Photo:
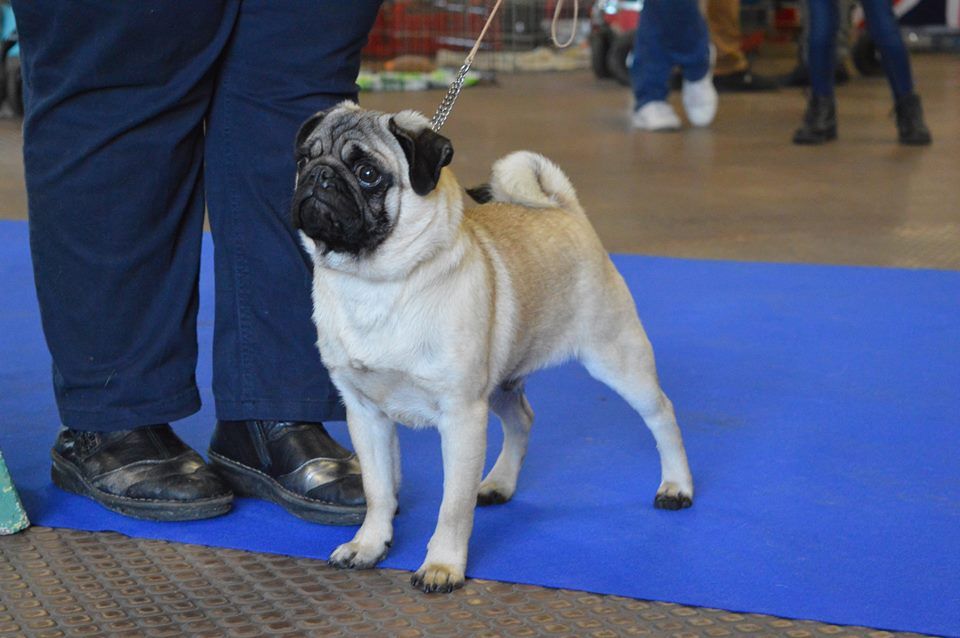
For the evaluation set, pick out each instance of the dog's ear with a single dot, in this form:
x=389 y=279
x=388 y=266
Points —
x=308 y=127
x=427 y=152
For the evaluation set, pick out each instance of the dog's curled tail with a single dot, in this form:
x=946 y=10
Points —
x=529 y=179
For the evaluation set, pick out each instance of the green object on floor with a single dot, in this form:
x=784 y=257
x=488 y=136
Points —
x=12 y=516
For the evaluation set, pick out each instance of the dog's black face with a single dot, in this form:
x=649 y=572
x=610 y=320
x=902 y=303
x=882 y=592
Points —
x=340 y=199
x=350 y=165
x=343 y=204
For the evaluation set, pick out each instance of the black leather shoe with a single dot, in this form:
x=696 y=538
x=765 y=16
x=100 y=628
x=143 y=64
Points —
x=819 y=121
x=296 y=465
x=144 y=473
x=743 y=82
x=910 y=126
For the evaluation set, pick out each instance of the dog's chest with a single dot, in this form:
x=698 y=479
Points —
x=399 y=395
x=382 y=357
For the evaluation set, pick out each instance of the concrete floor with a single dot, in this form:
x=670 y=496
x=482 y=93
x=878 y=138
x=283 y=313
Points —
x=738 y=190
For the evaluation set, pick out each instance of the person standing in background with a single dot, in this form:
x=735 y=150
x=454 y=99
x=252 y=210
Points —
x=732 y=72
x=820 y=120
x=800 y=75
x=671 y=33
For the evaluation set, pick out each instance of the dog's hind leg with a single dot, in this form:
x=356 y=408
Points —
x=509 y=403
x=626 y=364
x=374 y=438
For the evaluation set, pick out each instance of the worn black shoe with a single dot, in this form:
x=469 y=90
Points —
x=819 y=121
x=744 y=82
x=145 y=473
x=296 y=465
x=910 y=126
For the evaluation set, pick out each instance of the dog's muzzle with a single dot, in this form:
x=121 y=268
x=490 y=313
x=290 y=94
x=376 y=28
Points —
x=317 y=196
x=326 y=210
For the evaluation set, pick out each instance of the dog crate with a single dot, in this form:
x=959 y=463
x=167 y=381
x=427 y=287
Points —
x=416 y=41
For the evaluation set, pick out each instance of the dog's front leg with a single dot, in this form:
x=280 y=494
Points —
x=463 y=439
x=374 y=440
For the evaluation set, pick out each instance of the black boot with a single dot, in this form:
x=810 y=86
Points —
x=296 y=465
x=144 y=473
x=910 y=124
x=819 y=122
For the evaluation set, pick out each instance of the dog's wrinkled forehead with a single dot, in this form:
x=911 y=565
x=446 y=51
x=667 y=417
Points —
x=402 y=140
x=332 y=131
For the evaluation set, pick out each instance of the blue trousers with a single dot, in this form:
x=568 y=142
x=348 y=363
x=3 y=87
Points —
x=671 y=33
x=139 y=116
x=882 y=25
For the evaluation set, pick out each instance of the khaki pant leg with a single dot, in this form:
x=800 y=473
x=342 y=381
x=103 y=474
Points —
x=723 y=19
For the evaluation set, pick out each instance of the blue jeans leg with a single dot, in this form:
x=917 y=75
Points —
x=113 y=151
x=882 y=25
x=688 y=40
x=671 y=33
x=286 y=61
x=821 y=46
x=651 y=68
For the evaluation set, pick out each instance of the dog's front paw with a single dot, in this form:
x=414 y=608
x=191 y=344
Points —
x=437 y=578
x=671 y=496
x=492 y=493
x=353 y=555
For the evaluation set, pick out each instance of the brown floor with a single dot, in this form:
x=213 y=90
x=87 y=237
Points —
x=738 y=190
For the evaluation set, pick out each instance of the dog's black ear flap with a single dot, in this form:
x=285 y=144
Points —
x=308 y=127
x=427 y=152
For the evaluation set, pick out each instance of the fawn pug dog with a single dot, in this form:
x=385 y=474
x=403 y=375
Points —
x=430 y=314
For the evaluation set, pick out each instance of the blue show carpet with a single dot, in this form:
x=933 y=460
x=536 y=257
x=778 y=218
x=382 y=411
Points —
x=821 y=411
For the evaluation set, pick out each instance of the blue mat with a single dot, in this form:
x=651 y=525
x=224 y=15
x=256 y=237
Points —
x=821 y=411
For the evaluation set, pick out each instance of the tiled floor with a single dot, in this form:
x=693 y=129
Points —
x=738 y=190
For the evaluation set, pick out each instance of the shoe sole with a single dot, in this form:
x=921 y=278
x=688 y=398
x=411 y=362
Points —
x=247 y=481
x=829 y=136
x=67 y=477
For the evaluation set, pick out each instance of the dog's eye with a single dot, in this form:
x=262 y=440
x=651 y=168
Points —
x=302 y=162
x=368 y=175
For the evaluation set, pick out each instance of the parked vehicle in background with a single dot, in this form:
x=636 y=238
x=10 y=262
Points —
x=613 y=24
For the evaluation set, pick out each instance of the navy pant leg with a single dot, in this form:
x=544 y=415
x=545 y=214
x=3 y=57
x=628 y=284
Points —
x=821 y=46
x=882 y=25
x=688 y=40
x=650 y=73
x=113 y=149
x=286 y=61
x=671 y=33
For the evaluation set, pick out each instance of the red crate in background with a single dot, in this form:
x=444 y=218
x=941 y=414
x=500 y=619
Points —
x=411 y=27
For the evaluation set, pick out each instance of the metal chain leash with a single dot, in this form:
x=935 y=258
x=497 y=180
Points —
x=446 y=105
x=453 y=92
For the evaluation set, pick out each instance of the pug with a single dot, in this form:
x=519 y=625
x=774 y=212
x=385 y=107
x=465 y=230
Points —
x=432 y=314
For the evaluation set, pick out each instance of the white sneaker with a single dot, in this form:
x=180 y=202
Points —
x=656 y=116
x=700 y=100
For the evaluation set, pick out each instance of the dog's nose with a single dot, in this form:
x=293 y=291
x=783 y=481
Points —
x=322 y=177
